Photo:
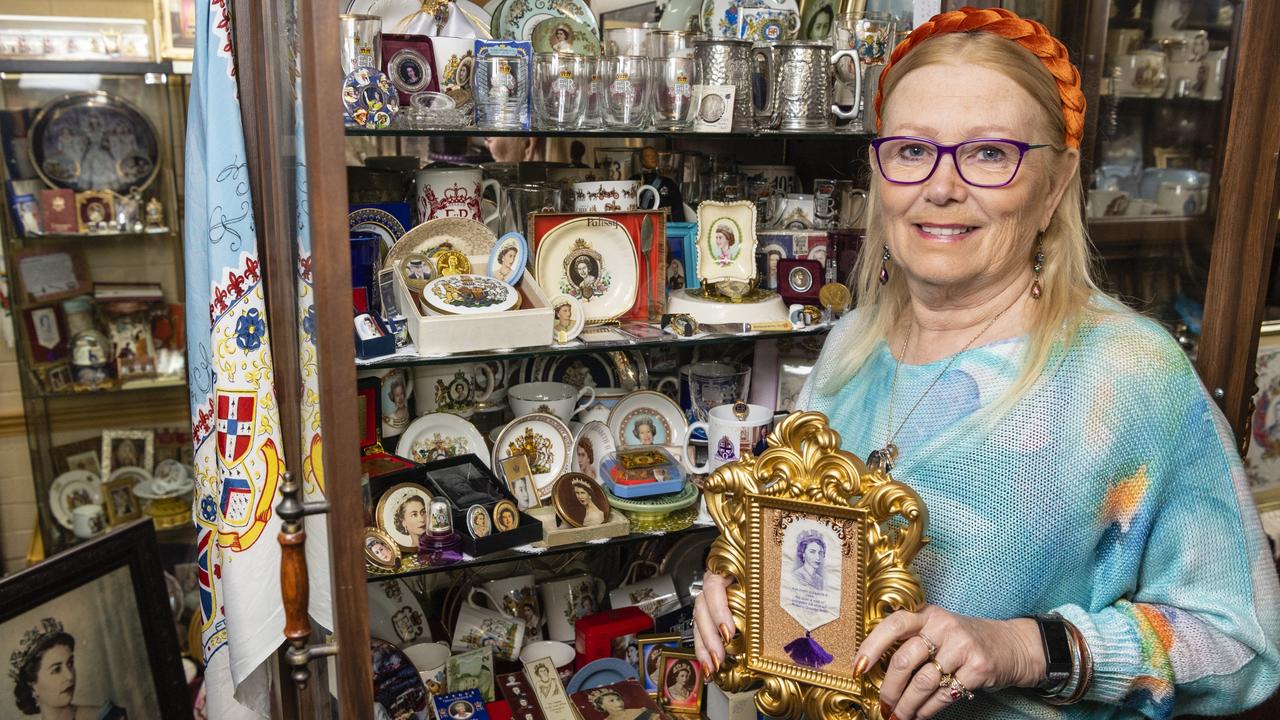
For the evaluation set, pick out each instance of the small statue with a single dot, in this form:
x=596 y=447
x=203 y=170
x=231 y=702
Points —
x=155 y=215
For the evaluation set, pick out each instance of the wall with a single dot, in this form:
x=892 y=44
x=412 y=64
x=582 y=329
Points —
x=17 y=491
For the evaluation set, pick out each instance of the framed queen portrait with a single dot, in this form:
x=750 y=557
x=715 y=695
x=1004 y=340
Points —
x=726 y=241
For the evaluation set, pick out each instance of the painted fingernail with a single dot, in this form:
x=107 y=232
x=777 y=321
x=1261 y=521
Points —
x=715 y=660
x=724 y=632
x=704 y=666
x=860 y=667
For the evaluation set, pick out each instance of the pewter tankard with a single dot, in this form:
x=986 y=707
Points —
x=726 y=61
x=798 y=75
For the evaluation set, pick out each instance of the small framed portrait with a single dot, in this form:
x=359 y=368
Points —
x=117 y=495
x=135 y=353
x=579 y=501
x=505 y=516
x=1262 y=461
x=95 y=211
x=548 y=688
x=519 y=478
x=650 y=668
x=80 y=635
x=508 y=258
x=380 y=550
x=569 y=318
x=680 y=682
x=46 y=333
x=478 y=523
x=78 y=455
x=127 y=448
x=417 y=270
x=726 y=241
x=626 y=699
x=402 y=514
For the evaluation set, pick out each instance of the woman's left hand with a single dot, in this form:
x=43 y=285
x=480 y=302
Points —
x=978 y=654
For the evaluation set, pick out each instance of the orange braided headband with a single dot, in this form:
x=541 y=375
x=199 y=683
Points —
x=1028 y=33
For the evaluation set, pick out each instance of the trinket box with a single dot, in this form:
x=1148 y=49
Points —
x=409 y=63
x=596 y=635
x=641 y=472
x=799 y=281
x=614 y=263
x=383 y=468
x=465 y=481
x=527 y=325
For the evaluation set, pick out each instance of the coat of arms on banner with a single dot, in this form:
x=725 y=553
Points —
x=235 y=426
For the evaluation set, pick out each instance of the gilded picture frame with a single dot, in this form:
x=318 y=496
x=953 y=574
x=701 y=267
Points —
x=801 y=621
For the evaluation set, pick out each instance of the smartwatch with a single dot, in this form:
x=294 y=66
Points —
x=1057 y=652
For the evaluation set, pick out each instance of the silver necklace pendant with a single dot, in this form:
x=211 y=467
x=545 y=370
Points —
x=883 y=459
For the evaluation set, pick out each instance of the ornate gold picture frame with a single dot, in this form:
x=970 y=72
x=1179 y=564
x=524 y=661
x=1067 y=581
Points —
x=821 y=547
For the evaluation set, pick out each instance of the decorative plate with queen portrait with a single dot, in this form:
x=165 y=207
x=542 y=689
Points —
x=726 y=241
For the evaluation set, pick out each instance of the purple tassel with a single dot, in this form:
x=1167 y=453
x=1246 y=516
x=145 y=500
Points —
x=806 y=651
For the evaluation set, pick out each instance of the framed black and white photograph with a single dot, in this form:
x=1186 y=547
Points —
x=82 y=635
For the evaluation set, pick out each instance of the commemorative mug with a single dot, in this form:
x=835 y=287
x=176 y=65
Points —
x=606 y=195
x=727 y=61
x=730 y=435
x=477 y=627
x=713 y=383
x=562 y=656
x=566 y=600
x=455 y=64
x=515 y=597
x=851 y=204
x=1106 y=203
x=1142 y=73
x=655 y=596
x=560 y=399
x=455 y=192
x=798 y=85
x=87 y=521
x=451 y=388
x=1178 y=198
x=431 y=659
x=396 y=387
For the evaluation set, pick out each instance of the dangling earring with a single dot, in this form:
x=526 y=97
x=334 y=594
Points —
x=884 y=265
x=1037 y=267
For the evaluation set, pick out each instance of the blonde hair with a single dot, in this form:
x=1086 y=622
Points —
x=1066 y=278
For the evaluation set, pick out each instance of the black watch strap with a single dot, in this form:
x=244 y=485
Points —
x=1057 y=650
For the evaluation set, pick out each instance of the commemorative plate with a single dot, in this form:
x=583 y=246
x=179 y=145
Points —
x=70 y=490
x=580 y=370
x=544 y=439
x=565 y=35
x=470 y=237
x=94 y=141
x=590 y=445
x=594 y=260
x=516 y=19
x=646 y=417
x=469 y=295
x=438 y=436
x=368 y=98
x=722 y=18
x=378 y=221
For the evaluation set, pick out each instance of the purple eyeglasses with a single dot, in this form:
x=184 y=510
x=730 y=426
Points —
x=985 y=162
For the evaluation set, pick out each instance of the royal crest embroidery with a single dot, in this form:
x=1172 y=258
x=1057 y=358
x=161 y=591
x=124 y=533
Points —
x=585 y=276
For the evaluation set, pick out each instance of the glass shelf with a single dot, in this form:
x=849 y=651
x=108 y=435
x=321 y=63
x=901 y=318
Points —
x=131 y=388
x=85 y=67
x=512 y=555
x=162 y=232
x=409 y=357
x=650 y=133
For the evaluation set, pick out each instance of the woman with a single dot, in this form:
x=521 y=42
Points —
x=591 y=515
x=506 y=263
x=564 y=318
x=411 y=518
x=725 y=240
x=586 y=459
x=614 y=706
x=43 y=669
x=681 y=684
x=1065 y=447
x=811 y=551
x=395 y=412
x=561 y=39
x=644 y=431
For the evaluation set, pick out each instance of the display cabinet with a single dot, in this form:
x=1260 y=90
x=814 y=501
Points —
x=93 y=250
x=1204 y=254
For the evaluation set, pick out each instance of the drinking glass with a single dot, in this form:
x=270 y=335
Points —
x=560 y=82
x=501 y=92
x=674 y=78
x=872 y=35
x=625 y=80
x=526 y=198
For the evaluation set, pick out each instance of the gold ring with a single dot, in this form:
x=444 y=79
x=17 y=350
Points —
x=957 y=690
x=933 y=647
x=945 y=679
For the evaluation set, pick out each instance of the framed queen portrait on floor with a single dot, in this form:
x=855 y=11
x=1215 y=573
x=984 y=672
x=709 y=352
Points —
x=92 y=624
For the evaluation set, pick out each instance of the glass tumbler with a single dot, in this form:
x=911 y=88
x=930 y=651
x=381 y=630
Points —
x=872 y=35
x=560 y=85
x=626 y=91
x=501 y=92
x=673 y=81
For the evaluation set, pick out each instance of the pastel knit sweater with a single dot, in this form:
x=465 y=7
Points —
x=1112 y=493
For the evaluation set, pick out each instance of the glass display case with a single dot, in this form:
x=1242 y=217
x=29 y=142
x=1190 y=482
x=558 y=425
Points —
x=93 y=248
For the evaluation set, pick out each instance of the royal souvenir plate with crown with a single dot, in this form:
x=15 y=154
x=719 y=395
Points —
x=469 y=295
x=544 y=440
x=516 y=19
x=465 y=235
x=647 y=418
x=593 y=259
x=439 y=436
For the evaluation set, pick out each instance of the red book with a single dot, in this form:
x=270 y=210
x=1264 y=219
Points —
x=58 y=211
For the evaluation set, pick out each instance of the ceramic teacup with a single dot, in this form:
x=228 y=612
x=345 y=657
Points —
x=87 y=521
x=609 y=195
x=568 y=599
x=559 y=399
x=561 y=654
x=515 y=597
x=1107 y=203
x=477 y=627
x=655 y=596
x=431 y=660
x=606 y=398
x=451 y=388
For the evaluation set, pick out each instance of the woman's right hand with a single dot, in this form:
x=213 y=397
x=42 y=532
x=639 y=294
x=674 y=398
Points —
x=712 y=621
